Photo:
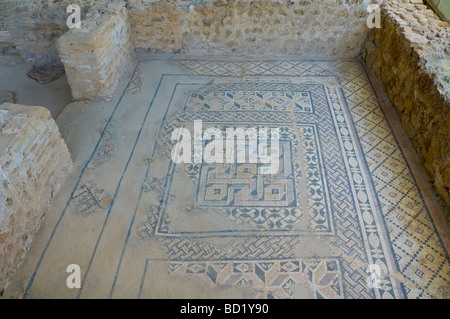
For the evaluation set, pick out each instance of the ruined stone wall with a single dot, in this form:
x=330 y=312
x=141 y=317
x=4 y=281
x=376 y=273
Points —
x=411 y=55
x=325 y=28
x=4 y=34
x=34 y=162
x=35 y=25
x=281 y=27
x=95 y=55
x=266 y=27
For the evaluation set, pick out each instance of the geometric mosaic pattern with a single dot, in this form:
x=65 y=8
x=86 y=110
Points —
x=343 y=198
x=271 y=203
x=90 y=200
x=412 y=235
x=303 y=180
x=276 y=279
x=359 y=93
x=251 y=101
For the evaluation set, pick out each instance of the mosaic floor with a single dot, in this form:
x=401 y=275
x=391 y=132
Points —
x=343 y=217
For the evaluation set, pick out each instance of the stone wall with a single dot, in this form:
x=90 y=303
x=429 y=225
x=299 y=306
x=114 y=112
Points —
x=266 y=27
x=35 y=25
x=95 y=55
x=281 y=27
x=4 y=34
x=34 y=162
x=326 y=28
x=411 y=55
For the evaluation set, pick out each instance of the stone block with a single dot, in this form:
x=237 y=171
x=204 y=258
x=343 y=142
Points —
x=96 y=54
x=34 y=162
